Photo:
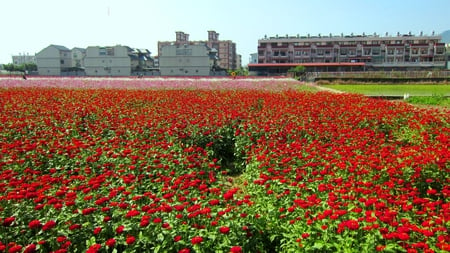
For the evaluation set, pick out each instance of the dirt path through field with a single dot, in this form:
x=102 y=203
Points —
x=321 y=88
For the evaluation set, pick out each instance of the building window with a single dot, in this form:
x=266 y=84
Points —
x=62 y=61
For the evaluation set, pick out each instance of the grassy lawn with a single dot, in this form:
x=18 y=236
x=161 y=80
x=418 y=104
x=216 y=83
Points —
x=393 y=89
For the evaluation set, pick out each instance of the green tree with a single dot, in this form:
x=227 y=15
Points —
x=299 y=71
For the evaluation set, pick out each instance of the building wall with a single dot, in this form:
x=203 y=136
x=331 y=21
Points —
x=226 y=48
x=78 y=55
x=184 y=60
x=52 y=60
x=107 y=61
x=376 y=51
x=22 y=59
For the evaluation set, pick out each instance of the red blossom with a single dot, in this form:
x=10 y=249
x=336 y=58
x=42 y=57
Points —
x=130 y=239
x=224 y=230
x=196 y=240
x=34 y=224
x=236 y=249
x=110 y=242
x=8 y=221
x=97 y=230
x=30 y=248
x=132 y=213
x=94 y=248
x=120 y=229
x=177 y=238
x=49 y=225
x=15 y=249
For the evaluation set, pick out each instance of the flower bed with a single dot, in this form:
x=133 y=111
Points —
x=208 y=170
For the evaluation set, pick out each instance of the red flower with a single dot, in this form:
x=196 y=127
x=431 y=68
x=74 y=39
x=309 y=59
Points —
x=15 y=249
x=31 y=248
x=110 y=242
x=132 y=213
x=120 y=229
x=88 y=210
x=380 y=247
x=75 y=226
x=61 y=239
x=214 y=202
x=8 y=221
x=35 y=224
x=49 y=225
x=196 y=240
x=94 y=248
x=177 y=238
x=144 y=222
x=236 y=249
x=403 y=236
x=97 y=230
x=224 y=230
x=185 y=250
x=130 y=239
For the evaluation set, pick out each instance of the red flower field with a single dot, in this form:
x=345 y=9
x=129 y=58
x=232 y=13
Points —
x=226 y=166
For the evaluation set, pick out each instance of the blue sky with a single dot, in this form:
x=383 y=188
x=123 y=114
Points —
x=27 y=26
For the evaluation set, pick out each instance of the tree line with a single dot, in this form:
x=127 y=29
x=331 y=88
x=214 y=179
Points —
x=20 y=67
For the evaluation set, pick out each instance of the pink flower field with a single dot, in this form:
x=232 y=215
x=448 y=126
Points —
x=217 y=165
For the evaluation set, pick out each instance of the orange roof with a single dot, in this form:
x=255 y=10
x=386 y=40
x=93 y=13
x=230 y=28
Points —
x=308 y=64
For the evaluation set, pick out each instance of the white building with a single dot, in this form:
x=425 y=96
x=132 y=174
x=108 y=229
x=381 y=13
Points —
x=23 y=59
x=53 y=60
x=78 y=55
x=108 y=61
x=186 y=60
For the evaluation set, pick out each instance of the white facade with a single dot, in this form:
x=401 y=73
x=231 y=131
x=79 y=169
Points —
x=53 y=60
x=23 y=59
x=185 y=60
x=78 y=55
x=108 y=61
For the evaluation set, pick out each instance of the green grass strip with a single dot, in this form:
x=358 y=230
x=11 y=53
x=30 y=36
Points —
x=394 y=89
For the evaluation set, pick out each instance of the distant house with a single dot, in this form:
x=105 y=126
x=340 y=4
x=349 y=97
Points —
x=78 y=55
x=23 y=59
x=226 y=49
x=187 y=60
x=115 y=61
x=53 y=60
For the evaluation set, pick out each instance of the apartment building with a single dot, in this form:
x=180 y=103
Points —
x=226 y=49
x=108 y=61
x=78 y=55
x=401 y=51
x=23 y=59
x=53 y=60
x=187 y=60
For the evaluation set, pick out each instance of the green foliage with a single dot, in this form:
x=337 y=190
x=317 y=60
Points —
x=298 y=71
x=238 y=72
x=393 y=89
x=23 y=67
x=432 y=100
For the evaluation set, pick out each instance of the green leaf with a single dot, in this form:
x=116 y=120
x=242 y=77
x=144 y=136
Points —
x=318 y=245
